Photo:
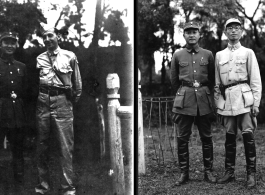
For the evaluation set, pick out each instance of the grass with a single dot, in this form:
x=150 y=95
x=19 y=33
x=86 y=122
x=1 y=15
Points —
x=162 y=167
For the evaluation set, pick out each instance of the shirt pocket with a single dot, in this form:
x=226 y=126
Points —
x=183 y=68
x=2 y=73
x=247 y=96
x=204 y=67
x=241 y=65
x=20 y=72
x=179 y=99
x=2 y=77
x=223 y=66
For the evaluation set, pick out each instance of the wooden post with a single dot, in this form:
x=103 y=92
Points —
x=141 y=160
x=116 y=156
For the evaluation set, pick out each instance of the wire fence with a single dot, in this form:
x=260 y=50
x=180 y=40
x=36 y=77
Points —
x=160 y=134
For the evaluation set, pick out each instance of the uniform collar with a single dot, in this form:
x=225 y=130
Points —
x=195 y=48
x=234 y=47
x=55 y=52
x=7 y=58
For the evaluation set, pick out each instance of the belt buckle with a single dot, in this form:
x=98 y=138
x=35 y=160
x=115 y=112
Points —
x=196 y=84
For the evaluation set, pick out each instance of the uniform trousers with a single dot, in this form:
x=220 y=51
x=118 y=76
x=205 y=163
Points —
x=55 y=115
x=243 y=122
x=185 y=125
x=15 y=136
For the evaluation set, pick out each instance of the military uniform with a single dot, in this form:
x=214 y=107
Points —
x=237 y=92
x=55 y=113
x=13 y=93
x=192 y=78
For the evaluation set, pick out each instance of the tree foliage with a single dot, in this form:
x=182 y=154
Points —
x=22 y=18
x=114 y=25
x=153 y=17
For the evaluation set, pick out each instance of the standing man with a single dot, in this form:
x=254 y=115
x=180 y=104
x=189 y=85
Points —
x=59 y=88
x=237 y=97
x=192 y=77
x=13 y=91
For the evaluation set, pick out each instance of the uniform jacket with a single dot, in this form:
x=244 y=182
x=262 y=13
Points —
x=66 y=65
x=13 y=79
x=190 y=65
x=233 y=64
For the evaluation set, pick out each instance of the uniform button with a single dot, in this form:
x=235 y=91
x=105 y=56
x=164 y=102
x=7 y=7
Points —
x=178 y=92
x=12 y=81
x=10 y=72
x=194 y=70
x=195 y=89
x=193 y=62
x=192 y=53
x=13 y=101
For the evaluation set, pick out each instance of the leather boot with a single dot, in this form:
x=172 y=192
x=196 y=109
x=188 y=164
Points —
x=183 y=156
x=250 y=152
x=207 y=150
x=230 y=159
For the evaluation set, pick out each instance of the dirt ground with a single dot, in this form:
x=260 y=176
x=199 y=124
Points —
x=90 y=177
x=162 y=165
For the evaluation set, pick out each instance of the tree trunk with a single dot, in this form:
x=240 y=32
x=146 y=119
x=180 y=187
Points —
x=97 y=25
x=256 y=34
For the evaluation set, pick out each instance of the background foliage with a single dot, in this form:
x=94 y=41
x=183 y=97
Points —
x=159 y=20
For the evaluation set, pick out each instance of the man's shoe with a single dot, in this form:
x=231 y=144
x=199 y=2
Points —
x=251 y=180
x=41 y=189
x=184 y=178
x=228 y=177
x=208 y=176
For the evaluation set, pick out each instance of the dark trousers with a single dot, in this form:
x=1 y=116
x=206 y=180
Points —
x=15 y=136
x=184 y=123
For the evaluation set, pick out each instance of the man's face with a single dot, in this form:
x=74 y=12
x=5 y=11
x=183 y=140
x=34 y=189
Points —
x=191 y=36
x=233 y=31
x=8 y=46
x=50 y=40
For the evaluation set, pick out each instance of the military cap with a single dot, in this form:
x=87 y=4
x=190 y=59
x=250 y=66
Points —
x=232 y=20
x=8 y=35
x=191 y=24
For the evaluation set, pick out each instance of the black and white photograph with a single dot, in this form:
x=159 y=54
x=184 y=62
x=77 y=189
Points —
x=66 y=97
x=201 y=108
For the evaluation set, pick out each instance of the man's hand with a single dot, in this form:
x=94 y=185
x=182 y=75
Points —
x=255 y=111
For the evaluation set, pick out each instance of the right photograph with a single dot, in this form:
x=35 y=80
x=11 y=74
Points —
x=200 y=100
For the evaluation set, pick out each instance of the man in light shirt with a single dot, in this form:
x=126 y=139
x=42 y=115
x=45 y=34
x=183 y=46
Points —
x=237 y=98
x=59 y=88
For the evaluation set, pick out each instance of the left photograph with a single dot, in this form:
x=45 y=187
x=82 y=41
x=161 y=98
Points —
x=66 y=97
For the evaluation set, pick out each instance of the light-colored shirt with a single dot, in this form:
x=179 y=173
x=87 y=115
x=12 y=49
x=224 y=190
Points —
x=65 y=64
x=233 y=64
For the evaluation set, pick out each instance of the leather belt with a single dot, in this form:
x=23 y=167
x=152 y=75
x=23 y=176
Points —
x=52 y=91
x=193 y=84
x=233 y=84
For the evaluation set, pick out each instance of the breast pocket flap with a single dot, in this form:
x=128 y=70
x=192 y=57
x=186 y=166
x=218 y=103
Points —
x=183 y=63
x=223 y=63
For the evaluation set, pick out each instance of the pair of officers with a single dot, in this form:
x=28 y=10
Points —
x=60 y=87
x=234 y=77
